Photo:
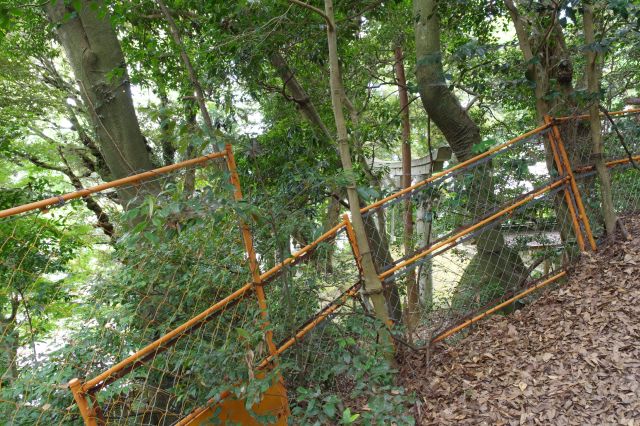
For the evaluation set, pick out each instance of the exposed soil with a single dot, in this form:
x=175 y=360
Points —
x=570 y=358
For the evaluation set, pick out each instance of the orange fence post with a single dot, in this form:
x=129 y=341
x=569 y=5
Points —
x=251 y=253
x=574 y=186
x=567 y=192
x=255 y=273
x=87 y=413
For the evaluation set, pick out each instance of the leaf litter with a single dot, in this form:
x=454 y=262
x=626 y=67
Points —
x=572 y=357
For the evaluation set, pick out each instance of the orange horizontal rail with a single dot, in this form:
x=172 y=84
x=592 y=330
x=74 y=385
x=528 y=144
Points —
x=500 y=306
x=473 y=227
x=49 y=202
x=458 y=166
x=609 y=164
x=586 y=116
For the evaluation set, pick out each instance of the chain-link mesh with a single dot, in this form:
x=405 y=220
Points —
x=181 y=253
x=621 y=147
x=179 y=279
x=478 y=235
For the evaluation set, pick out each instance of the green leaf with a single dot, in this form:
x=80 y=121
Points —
x=329 y=409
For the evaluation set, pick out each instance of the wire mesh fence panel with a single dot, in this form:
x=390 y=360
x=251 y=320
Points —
x=308 y=287
x=36 y=279
x=625 y=180
x=469 y=243
x=621 y=147
x=340 y=363
x=180 y=251
x=468 y=278
x=166 y=320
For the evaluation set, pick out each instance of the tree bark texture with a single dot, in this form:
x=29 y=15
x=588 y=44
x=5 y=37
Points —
x=299 y=95
x=494 y=261
x=373 y=286
x=93 y=50
x=413 y=291
x=597 y=150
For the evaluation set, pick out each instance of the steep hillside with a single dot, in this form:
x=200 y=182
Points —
x=572 y=357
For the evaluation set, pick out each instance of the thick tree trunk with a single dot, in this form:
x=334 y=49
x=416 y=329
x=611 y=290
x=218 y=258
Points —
x=413 y=292
x=97 y=61
x=462 y=134
x=548 y=60
x=373 y=286
x=440 y=103
x=597 y=154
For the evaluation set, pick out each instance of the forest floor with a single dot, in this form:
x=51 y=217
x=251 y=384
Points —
x=570 y=358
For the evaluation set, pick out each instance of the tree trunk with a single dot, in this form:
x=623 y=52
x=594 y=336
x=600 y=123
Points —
x=442 y=106
x=548 y=60
x=440 y=103
x=166 y=139
x=97 y=61
x=191 y=72
x=382 y=258
x=413 y=292
x=376 y=232
x=373 y=286
x=299 y=95
x=597 y=154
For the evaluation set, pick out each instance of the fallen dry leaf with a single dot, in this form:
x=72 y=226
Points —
x=572 y=357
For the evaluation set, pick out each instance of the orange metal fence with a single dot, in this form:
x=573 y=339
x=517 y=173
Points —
x=563 y=184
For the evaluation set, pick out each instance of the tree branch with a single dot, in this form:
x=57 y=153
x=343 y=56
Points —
x=316 y=10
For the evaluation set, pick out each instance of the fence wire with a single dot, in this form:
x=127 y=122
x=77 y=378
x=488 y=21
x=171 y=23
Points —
x=179 y=279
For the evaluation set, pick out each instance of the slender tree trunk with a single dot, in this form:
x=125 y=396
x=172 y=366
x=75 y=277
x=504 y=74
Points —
x=597 y=154
x=190 y=115
x=324 y=261
x=95 y=56
x=191 y=72
x=102 y=217
x=413 y=291
x=376 y=228
x=373 y=286
x=166 y=142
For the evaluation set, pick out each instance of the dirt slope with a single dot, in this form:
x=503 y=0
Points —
x=572 y=357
